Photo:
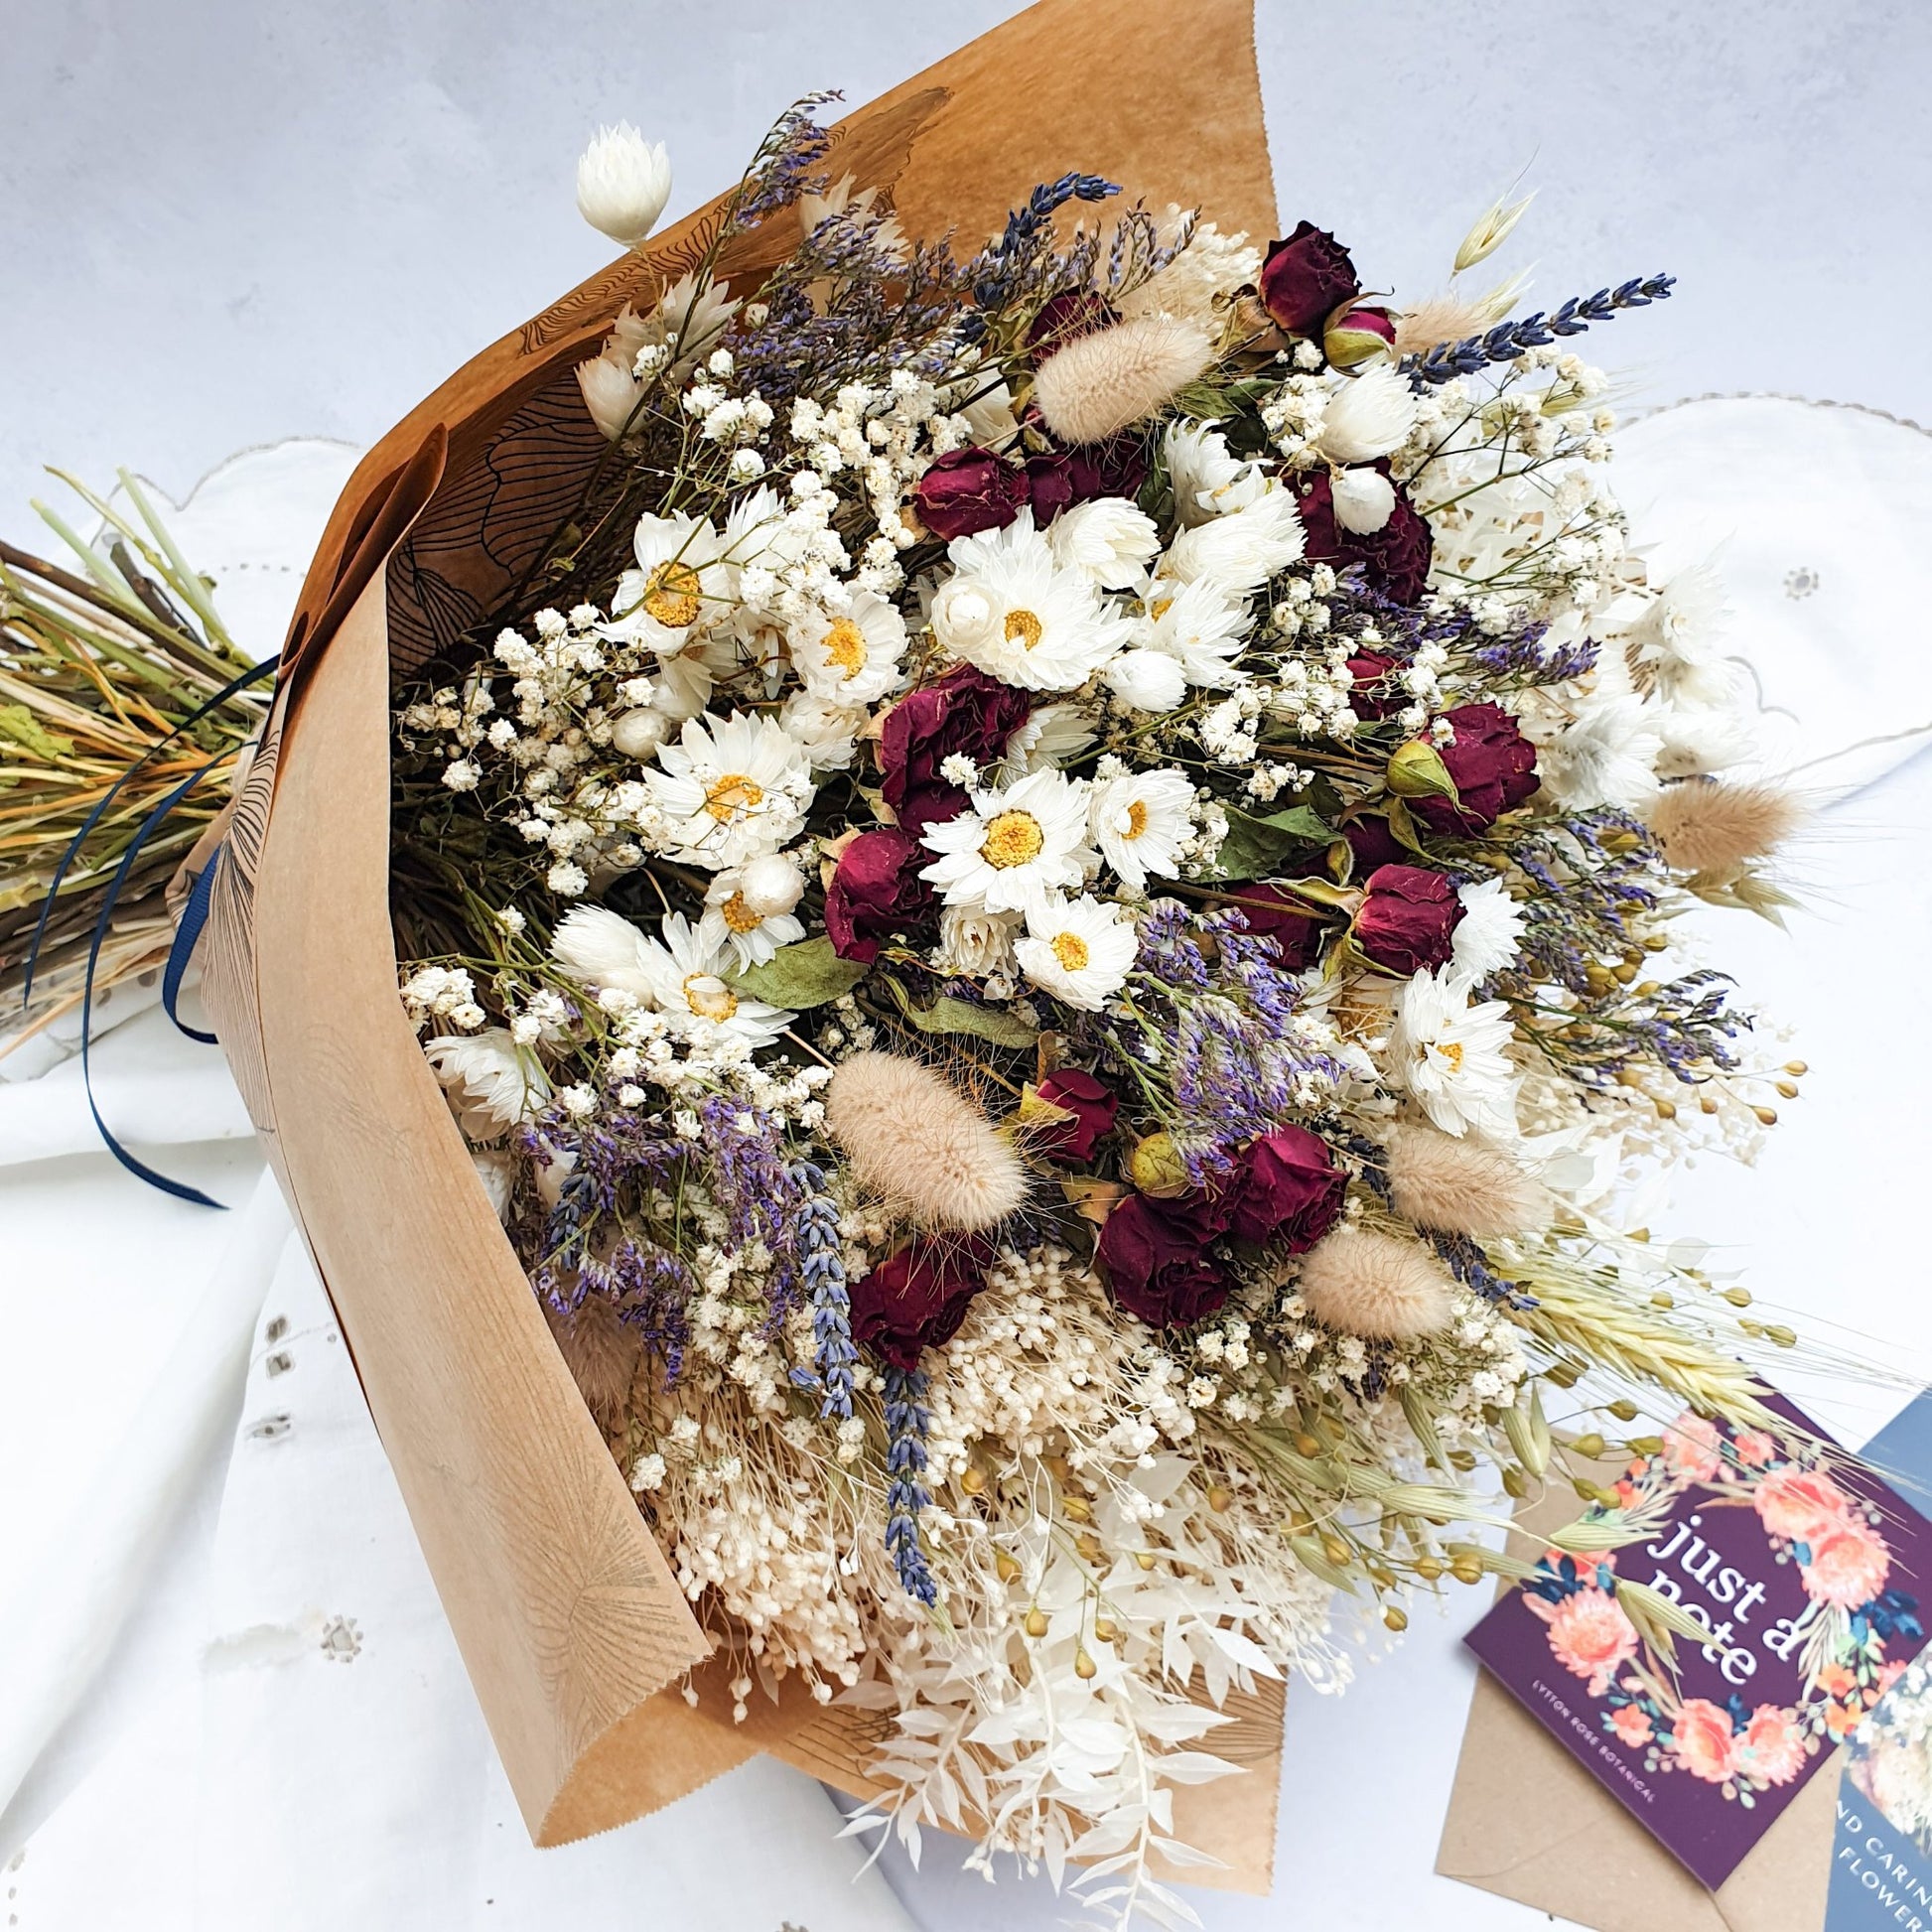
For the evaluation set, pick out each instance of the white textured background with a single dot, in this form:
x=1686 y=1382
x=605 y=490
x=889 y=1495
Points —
x=223 y=222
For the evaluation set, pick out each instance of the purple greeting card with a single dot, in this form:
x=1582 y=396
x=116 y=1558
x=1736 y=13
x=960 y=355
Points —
x=1809 y=1581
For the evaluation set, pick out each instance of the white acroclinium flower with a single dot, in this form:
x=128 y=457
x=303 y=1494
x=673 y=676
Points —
x=1147 y=680
x=730 y=919
x=611 y=393
x=1048 y=737
x=1200 y=627
x=1451 y=1057
x=826 y=733
x=851 y=658
x=681 y=584
x=1606 y=757
x=1140 y=821
x=1239 y=552
x=1079 y=951
x=623 y=184
x=1208 y=481
x=492 y=1082
x=681 y=975
x=975 y=943
x=731 y=789
x=1363 y=499
x=990 y=421
x=1108 y=538
x=1028 y=622
x=1679 y=636
x=676 y=334
x=1489 y=933
x=1014 y=847
x=1367 y=416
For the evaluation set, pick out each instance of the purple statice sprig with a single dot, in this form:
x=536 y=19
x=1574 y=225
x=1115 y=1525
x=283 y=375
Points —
x=784 y=168
x=1509 y=339
x=820 y=1255
x=906 y=1421
x=745 y=1160
x=1525 y=659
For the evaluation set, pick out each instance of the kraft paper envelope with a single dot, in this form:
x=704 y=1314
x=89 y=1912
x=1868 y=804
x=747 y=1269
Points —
x=1526 y=1820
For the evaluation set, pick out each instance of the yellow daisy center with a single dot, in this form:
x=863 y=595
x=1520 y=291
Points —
x=739 y=917
x=709 y=997
x=1159 y=608
x=845 y=646
x=1011 y=839
x=671 y=595
x=1136 y=819
x=1071 y=951
x=1024 y=629
x=732 y=795
x=1452 y=1051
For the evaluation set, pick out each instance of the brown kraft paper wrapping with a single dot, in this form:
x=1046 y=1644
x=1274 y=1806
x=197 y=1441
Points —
x=570 y=1624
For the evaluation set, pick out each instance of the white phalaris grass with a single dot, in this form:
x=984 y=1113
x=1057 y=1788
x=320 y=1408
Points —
x=914 y=1140
x=623 y=184
x=1365 y=1283
x=1100 y=384
x=1465 y=1186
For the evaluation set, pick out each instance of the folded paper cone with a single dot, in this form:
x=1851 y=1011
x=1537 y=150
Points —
x=570 y=1622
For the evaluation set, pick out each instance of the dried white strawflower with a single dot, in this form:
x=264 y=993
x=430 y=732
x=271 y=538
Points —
x=1461 y=1187
x=1706 y=825
x=601 y=1352
x=1369 y=1284
x=912 y=1138
x=1368 y=416
x=1099 y=384
x=623 y=184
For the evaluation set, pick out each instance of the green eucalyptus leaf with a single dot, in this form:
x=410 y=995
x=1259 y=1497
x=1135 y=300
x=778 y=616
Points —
x=949 y=1015
x=804 y=974
x=1254 y=845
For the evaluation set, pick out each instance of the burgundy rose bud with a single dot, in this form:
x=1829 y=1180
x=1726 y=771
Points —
x=1306 y=279
x=1407 y=920
x=876 y=894
x=1158 y=1266
x=916 y=1298
x=1092 y=1106
x=1355 y=335
x=966 y=713
x=1493 y=766
x=1075 y=312
x=1395 y=558
x=1059 y=478
x=1297 y=927
x=1373 y=696
x=969 y=490
x=1289 y=1192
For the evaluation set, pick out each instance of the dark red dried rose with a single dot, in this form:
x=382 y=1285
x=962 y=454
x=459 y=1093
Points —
x=1092 y=1105
x=876 y=894
x=1288 y=1189
x=1407 y=920
x=969 y=490
x=1395 y=558
x=1297 y=927
x=1492 y=763
x=1059 y=478
x=1075 y=312
x=1306 y=279
x=1373 y=844
x=916 y=1298
x=1158 y=1265
x=964 y=712
x=1373 y=696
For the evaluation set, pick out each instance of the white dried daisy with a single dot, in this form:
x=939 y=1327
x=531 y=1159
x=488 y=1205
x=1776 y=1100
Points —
x=825 y=733
x=492 y=1082
x=1451 y=1057
x=1016 y=616
x=681 y=585
x=1108 y=538
x=1045 y=741
x=852 y=658
x=1239 y=552
x=1489 y=931
x=1141 y=820
x=1200 y=627
x=1208 y=480
x=736 y=919
x=681 y=975
x=1367 y=416
x=1079 y=950
x=1014 y=847
x=975 y=943
x=730 y=789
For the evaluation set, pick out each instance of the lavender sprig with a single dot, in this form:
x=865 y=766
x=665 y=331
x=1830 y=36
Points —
x=1508 y=339
x=905 y=1494
x=821 y=1263
x=1000 y=269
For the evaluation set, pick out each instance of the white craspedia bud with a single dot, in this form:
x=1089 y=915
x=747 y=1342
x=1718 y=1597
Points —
x=1368 y=416
x=1369 y=1284
x=1461 y=1187
x=638 y=733
x=770 y=885
x=1148 y=680
x=963 y=617
x=1364 y=501
x=1100 y=384
x=623 y=184
x=911 y=1138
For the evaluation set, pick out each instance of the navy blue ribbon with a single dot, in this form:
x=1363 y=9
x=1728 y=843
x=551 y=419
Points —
x=194 y=916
